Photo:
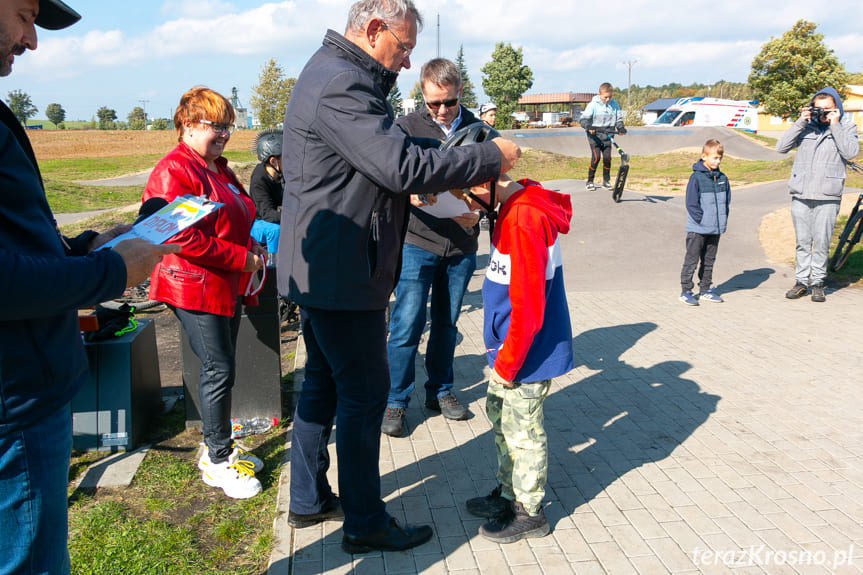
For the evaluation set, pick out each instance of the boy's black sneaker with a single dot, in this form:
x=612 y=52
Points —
x=490 y=506
x=818 y=293
x=515 y=526
x=589 y=186
x=606 y=184
x=798 y=291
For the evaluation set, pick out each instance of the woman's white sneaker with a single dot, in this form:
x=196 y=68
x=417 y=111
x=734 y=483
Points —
x=235 y=476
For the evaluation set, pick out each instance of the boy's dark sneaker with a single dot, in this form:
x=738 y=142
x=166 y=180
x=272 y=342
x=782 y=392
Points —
x=330 y=512
x=449 y=407
x=490 y=506
x=606 y=184
x=590 y=186
x=798 y=291
x=515 y=526
x=394 y=421
x=818 y=293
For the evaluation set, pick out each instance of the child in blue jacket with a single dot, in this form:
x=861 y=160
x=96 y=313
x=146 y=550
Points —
x=707 y=199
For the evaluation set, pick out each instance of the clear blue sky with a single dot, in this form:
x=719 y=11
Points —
x=125 y=52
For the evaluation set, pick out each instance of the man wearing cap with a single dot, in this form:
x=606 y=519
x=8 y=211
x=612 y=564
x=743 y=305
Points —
x=42 y=358
x=488 y=113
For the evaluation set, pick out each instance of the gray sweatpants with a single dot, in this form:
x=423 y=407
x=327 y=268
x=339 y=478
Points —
x=813 y=226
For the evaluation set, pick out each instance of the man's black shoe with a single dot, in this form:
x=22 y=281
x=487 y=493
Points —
x=394 y=421
x=818 y=293
x=516 y=525
x=330 y=512
x=389 y=538
x=449 y=407
x=490 y=506
x=798 y=291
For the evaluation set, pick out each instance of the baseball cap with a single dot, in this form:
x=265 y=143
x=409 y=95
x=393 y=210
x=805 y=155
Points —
x=487 y=107
x=55 y=15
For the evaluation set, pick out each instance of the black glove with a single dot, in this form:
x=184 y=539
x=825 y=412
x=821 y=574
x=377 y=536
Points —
x=621 y=130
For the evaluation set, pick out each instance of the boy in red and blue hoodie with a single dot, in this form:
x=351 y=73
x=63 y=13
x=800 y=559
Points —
x=528 y=339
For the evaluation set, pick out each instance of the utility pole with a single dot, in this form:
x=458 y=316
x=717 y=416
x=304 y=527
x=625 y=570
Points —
x=144 y=104
x=629 y=64
x=438 y=34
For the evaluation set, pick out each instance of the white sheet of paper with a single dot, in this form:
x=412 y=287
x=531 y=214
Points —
x=447 y=206
x=170 y=219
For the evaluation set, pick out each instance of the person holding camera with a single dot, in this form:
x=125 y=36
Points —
x=826 y=139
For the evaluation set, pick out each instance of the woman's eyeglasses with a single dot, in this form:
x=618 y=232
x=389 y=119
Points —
x=219 y=128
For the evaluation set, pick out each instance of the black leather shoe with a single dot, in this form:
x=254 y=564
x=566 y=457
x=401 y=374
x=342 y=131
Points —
x=449 y=407
x=330 y=512
x=389 y=538
x=394 y=421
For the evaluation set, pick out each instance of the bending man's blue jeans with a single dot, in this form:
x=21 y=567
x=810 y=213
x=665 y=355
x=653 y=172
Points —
x=447 y=278
x=213 y=338
x=346 y=378
x=34 y=473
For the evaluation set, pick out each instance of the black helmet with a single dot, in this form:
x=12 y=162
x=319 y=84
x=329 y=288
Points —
x=474 y=134
x=268 y=143
x=471 y=134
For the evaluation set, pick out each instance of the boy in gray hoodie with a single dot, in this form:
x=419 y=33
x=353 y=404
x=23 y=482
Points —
x=826 y=139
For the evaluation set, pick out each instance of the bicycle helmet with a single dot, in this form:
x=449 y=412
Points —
x=268 y=143
x=475 y=134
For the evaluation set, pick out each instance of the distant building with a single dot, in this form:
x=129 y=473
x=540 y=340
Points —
x=241 y=119
x=570 y=103
x=653 y=110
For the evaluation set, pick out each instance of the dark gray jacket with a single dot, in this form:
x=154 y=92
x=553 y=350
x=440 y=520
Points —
x=441 y=236
x=822 y=151
x=348 y=173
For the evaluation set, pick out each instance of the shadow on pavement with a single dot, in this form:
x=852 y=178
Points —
x=748 y=279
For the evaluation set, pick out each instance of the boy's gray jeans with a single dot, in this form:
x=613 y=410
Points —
x=813 y=226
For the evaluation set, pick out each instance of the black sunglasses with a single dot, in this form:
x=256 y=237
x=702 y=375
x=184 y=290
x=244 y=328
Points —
x=447 y=103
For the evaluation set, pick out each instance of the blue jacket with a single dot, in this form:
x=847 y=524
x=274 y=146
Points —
x=42 y=359
x=708 y=197
x=349 y=171
x=823 y=149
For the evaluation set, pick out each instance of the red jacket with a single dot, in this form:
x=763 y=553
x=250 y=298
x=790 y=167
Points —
x=206 y=275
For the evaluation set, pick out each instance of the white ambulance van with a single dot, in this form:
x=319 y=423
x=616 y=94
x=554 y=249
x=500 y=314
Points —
x=741 y=114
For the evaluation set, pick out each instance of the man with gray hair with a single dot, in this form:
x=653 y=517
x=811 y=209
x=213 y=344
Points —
x=439 y=255
x=349 y=172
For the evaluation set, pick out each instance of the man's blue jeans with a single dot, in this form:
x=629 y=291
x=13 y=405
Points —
x=447 y=277
x=346 y=380
x=213 y=338
x=34 y=473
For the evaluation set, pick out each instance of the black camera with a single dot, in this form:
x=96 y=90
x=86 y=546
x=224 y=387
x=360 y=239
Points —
x=818 y=114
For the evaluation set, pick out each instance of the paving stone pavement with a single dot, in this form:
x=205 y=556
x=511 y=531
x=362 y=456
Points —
x=724 y=438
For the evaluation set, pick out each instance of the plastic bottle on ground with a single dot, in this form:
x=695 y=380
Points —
x=241 y=427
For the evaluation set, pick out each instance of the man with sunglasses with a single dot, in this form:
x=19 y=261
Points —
x=349 y=173
x=439 y=255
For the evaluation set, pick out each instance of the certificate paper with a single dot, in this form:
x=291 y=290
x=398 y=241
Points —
x=447 y=206
x=169 y=220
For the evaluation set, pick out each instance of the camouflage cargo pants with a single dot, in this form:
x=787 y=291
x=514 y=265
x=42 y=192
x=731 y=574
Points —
x=519 y=436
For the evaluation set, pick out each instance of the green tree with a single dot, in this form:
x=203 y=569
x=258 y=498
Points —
x=271 y=94
x=395 y=99
x=137 y=118
x=505 y=79
x=106 y=116
x=791 y=68
x=417 y=95
x=468 y=96
x=56 y=114
x=159 y=124
x=21 y=105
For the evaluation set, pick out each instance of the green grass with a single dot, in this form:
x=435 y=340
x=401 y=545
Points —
x=168 y=520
